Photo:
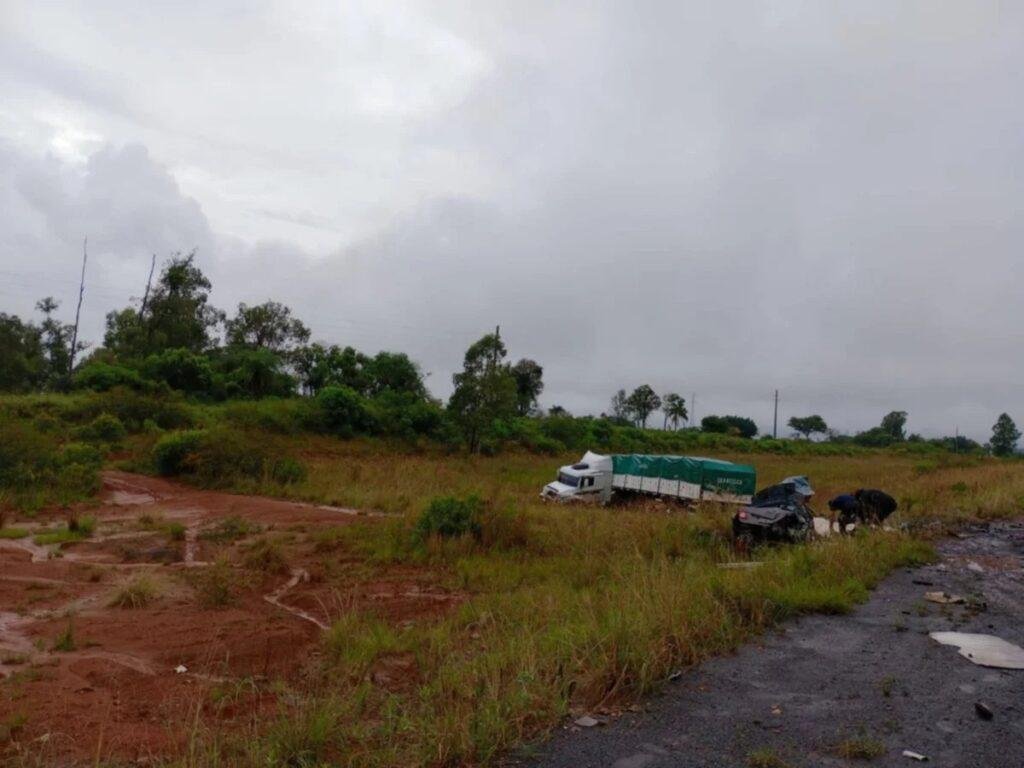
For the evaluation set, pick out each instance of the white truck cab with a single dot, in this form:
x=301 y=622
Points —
x=590 y=479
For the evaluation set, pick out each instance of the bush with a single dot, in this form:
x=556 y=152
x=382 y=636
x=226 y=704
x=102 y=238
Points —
x=174 y=454
x=102 y=377
x=105 y=428
x=449 y=516
x=137 y=593
x=343 y=411
x=180 y=369
x=287 y=471
x=134 y=409
x=268 y=557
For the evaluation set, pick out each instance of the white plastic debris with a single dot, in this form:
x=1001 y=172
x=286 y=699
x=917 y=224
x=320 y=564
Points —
x=181 y=669
x=914 y=756
x=984 y=650
x=973 y=566
x=943 y=597
x=587 y=721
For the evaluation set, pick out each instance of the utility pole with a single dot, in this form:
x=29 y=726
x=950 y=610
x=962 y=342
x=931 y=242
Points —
x=497 y=341
x=693 y=408
x=956 y=439
x=775 y=420
x=78 y=310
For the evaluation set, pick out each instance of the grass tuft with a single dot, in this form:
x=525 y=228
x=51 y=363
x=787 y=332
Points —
x=137 y=593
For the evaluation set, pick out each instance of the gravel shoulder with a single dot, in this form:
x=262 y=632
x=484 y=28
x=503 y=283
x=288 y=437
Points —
x=874 y=674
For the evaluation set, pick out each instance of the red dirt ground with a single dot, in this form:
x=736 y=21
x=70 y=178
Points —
x=117 y=692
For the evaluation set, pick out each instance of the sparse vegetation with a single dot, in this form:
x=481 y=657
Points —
x=267 y=556
x=137 y=593
x=860 y=748
x=65 y=641
x=765 y=758
x=215 y=585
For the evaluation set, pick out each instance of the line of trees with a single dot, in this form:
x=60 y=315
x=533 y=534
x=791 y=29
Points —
x=175 y=339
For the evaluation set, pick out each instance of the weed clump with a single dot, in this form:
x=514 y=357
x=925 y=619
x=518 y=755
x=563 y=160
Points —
x=137 y=593
x=450 y=517
x=860 y=748
x=765 y=758
x=65 y=642
x=216 y=585
x=229 y=529
x=267 y=557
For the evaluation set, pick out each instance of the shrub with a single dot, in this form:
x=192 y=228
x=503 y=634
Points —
x=105 y=428
x=102 y=377
x=449 y=516
x=65 y=641
x=215 y=585
x=342 y=411
x=174 y=454
x=267 y=557
x=180 y=369
x=287 y=471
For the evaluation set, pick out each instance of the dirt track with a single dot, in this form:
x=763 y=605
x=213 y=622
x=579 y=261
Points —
x=874 y=675
x=117 y=691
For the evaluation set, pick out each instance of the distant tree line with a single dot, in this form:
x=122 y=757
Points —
x=174 y=339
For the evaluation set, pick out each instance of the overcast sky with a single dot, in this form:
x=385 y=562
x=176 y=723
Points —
x=721 y=198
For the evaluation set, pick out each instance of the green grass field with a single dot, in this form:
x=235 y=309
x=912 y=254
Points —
x=569 y=608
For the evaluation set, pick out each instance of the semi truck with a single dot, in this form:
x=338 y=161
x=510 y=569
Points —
x=596 y=477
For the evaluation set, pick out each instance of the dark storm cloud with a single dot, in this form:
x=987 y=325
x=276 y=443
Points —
x=722 y=199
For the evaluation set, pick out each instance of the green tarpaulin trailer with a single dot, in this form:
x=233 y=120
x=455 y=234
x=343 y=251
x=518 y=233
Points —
x=686 y=477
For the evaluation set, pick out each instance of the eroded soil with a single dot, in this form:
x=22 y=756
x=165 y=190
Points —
x=81 y=677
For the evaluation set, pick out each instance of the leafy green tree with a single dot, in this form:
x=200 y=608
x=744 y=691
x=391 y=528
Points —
x=55 y=338
x=180 y=369
x=319 y=366
x=269 y=325
x=558 y=411
x=643 y=402
x=22 y=361
x=808 y=425
x=674 y=407
x=254 y=373
x=1004 y=436
x=529 y=376
x=893 y=423
x=393 y=372
x=740 y=426
x=177 y=315
x=485 y=390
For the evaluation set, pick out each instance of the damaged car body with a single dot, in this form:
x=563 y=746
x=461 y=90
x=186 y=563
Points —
x=778 y=513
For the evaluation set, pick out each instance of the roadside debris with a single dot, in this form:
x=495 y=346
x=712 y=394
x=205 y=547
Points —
x=973 y=566
x=944 y=598
x=181 y=669
x=587 y=721
x=984 y=710
x=915 y=756
x=983 y=650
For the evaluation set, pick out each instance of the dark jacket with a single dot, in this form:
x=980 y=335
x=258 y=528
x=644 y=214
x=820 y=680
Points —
x=878 y=503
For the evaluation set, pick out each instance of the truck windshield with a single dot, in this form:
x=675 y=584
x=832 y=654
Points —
x=568 y=479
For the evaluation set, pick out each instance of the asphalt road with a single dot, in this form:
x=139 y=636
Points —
x=874 y=675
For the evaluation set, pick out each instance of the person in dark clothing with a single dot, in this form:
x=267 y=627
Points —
x=848 y=508
x=875 y=505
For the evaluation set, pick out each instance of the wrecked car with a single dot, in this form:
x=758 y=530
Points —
x=778 y=513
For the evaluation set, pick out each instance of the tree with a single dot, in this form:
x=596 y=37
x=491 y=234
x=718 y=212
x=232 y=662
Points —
x=485 y=389
x=557 y=410
x=808 y=425
x=740 y=426
x=393 y=372
x=642 y=403
x=22 y=362
x=622 y=411
x=319 y=366
x=529 y=377
x=269 y=325
x=675 y=409
x=893 y=423
x=1004 y=436
x=177 y=315
x=55 y=338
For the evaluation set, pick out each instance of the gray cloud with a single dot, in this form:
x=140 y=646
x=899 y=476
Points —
x=721 y=199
